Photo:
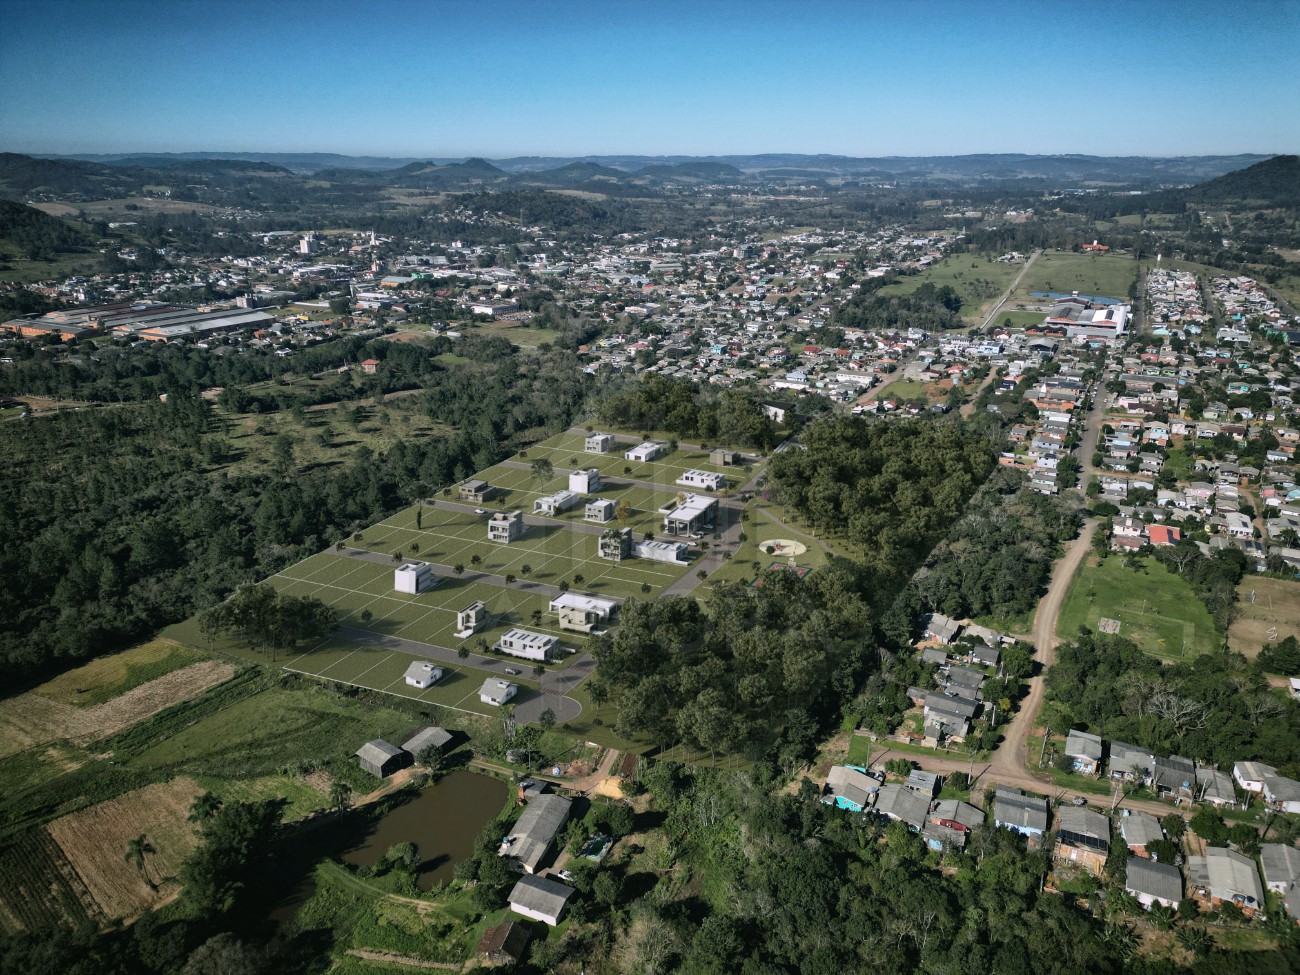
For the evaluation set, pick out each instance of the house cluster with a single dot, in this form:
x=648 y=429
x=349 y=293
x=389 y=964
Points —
x=1215 y=390
x=963 y=654
x=945 y=824
x=1044 y=447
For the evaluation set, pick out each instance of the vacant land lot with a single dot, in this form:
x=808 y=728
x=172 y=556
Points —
x=1156 y=609
x=1105 y=275
x=38 y=718
x=1269 y=611
x=95 y=841
x=106 y=677
x=979 y=280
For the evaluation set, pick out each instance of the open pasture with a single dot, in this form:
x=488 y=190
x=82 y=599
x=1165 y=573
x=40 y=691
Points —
x=1268 y=610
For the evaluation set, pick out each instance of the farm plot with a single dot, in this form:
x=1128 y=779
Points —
x=105 y=678
x=39 y=888
x=1268 y=611
x=34 y=718
x=95 y=840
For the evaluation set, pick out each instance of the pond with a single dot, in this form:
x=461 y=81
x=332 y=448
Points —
x=443 y=822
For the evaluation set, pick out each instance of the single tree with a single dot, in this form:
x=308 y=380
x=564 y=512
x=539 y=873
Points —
x=340 y=796
x=136 y=850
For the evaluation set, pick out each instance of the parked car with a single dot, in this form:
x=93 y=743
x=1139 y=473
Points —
x=512 y=671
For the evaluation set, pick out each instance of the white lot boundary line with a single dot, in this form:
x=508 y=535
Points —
x=322 y=673
x=309 y=650
x=367 y=687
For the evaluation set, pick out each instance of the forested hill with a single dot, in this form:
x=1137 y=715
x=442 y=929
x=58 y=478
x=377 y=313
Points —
x=1274 y=182
x=36 y=235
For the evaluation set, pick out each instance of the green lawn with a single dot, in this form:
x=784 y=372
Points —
x=906 y=389
x=979 y=280
x=1156 y=609
x=1107 y=275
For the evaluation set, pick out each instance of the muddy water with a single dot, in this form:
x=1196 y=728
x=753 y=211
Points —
x=443 y=822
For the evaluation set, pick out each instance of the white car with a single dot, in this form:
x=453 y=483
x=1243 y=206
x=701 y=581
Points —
x=479 y=511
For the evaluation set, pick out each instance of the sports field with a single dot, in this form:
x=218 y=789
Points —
x=1268 y=610
x=1156 y=609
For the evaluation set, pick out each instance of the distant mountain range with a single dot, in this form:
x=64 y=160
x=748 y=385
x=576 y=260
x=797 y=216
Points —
x=997 y=166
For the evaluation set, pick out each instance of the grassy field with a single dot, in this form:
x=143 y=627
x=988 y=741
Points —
x=1108 y=275
x=105 y=678
x=565 y=451
x=522 y=335
x=912 y=389
x=1156 y=609
x=979 y=280
x=1268 y=611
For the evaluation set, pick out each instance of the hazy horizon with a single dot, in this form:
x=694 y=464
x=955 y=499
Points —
x=574 y=78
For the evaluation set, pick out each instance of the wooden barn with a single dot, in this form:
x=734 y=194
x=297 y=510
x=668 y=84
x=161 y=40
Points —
x=380 y=758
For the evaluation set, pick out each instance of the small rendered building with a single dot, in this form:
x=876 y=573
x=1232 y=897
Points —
x=601 y=510
x=497 y=692
x=704 y=480
x=505 y=526
x=582 y=613
x=414 y=577
x=554 y=504
x=646 y=451
x=477 y=492
x=527 y=644
x=471 y=619
x=423 y=674
x=615 y=544
x=598 y=443
x=585 y=481
x=673 y=553
x=694 y=515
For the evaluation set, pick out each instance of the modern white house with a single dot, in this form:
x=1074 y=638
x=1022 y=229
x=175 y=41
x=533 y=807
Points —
x=582 y=613
x=694 y=515
x=471 y=619
x=586 y=481
x=647 y=451
x=600 y=510
x=615 y=544
x=527 y=644
x=703 y=480
x=423 y=674
x=674 y=553
x=414 y=577
x=553 y=504
x=497 y=692
x=598 y=443
x=505 y=526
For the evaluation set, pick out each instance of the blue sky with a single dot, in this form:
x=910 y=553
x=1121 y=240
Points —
x=500 y=78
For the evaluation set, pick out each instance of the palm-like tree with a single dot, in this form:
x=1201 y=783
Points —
x=205 y=807
x=136 y=850
x=340 y=796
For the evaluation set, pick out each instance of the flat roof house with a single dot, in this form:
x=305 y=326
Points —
x=554 y=504
x=1020 y=813
x=598 y=443
x=720 y=457
x=477 y=492
x=541 y=899
x=673 y=553
x=1153 y=883
x=582 y=613
x=423 y=674
x=694 y=515
x=600 y=510
x=471 y=619
x=703 y=480
x=497 y=692
x=527 y=644
x=585 y=481
x=615 y=544
x=414 y=577
x=380 y=758
x=505 y=527
x=532 y=835
x=646 y=451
